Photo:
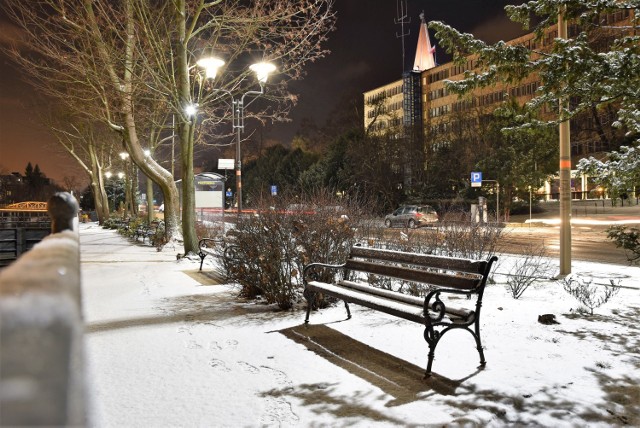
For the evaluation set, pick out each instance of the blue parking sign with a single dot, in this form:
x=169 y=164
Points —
x=476 y=179
x=274 y=190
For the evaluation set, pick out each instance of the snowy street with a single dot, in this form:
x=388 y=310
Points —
x=168 y=346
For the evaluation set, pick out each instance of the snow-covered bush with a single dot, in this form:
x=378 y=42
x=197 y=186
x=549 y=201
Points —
x=271 y=247
x=591 y=296
x=467 y=239
x=531 y=264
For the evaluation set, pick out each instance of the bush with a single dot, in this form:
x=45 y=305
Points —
x=531 y=264
x=465 y=239
x=271 y=248
x=590 y=295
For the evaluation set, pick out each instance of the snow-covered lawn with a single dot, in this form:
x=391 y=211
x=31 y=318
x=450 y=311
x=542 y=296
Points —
x=168 y=347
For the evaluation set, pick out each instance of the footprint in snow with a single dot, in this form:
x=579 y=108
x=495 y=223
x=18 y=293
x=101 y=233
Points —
x=248 y=367
x=281 y=377
x=279 y=412
x=219 y=365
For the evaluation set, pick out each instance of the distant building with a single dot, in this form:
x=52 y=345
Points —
x=11 y=188
x=420 y=98
x=397 y=105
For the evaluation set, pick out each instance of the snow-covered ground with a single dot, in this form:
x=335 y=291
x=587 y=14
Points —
x=169 y=347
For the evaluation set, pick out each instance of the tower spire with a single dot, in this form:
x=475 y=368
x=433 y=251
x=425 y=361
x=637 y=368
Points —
x=425 y=53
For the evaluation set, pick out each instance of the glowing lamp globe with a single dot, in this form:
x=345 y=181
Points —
x=262 y=70
x=210 y=65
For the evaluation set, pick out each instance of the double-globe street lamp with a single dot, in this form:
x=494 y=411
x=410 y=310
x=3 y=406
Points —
x=109 y=174
x=211 y=65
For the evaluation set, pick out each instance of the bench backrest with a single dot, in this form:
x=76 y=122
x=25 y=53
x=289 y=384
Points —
x=449 y=272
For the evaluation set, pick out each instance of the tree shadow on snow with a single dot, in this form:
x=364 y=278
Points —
x=215 y=310
x=620 y=403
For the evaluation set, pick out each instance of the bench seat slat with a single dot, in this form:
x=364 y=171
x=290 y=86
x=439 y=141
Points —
x=417 y=275
x=392 y=307
x=405 y=298
x=347 y=289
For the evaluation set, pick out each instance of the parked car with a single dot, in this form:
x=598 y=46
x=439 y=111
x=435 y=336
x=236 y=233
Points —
x=411 y=216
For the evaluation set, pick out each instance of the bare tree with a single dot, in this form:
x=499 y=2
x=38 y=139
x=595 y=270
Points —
x=91 y=145
x=120 y=61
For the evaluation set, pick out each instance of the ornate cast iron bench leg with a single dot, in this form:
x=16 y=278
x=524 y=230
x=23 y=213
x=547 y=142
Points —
x=346 y=305
x=310 y=296
x=432 y=337
x=476 y=335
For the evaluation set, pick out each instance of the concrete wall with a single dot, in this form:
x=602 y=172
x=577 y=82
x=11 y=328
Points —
x=41 y=333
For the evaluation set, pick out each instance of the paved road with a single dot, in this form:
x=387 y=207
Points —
x=587 y=243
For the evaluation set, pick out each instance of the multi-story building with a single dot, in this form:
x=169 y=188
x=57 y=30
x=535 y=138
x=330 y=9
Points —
x=422 y=97
x=10 y=188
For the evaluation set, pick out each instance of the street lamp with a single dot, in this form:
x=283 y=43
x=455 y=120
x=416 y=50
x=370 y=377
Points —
x=211 y=65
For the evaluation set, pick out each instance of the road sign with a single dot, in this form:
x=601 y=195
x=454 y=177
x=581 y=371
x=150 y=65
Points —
x=225 y=163
x=274 y=190
x=476 y=179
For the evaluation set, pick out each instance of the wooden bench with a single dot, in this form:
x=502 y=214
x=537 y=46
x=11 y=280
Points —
x=442 y=276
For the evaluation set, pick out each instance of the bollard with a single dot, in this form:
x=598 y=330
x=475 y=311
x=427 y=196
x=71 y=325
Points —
x=63 y=210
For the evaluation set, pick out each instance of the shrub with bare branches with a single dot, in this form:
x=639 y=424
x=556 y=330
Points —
x=531 y=264
x=591 y=296
x=271 y=248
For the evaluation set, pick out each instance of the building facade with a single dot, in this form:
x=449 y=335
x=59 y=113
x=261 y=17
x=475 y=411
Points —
x=393 y=108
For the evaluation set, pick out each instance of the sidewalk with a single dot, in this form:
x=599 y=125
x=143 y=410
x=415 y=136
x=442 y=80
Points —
x=167 y=346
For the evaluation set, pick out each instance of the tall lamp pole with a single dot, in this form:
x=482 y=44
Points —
x=262 y=70
x=565 y=172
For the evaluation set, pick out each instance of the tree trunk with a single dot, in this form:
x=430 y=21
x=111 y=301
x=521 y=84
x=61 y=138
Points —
x=186 y=135
x=188 y=195
x=150 y=212
x=158 y=174
x=97 y=187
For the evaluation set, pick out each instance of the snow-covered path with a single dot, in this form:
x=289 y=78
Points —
x=167 y=347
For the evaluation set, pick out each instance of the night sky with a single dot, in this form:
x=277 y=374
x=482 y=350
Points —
x=365 y=54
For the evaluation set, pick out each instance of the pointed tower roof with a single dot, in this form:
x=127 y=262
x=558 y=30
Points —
x=425 y=53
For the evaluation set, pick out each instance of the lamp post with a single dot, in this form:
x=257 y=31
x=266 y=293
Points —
x=108 y=174
x=530 y=201
x=128 y=184
x=565 y=168
x=211 y=65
